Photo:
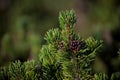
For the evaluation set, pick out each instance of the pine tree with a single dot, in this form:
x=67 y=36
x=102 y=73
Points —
x=67 y=49
x=66 y=56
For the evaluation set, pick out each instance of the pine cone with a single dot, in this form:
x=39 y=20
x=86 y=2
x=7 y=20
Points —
x=76 y=45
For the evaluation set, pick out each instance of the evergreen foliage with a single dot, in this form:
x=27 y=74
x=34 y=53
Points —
x=74 y=54
x=18 y=71
x=66 y=56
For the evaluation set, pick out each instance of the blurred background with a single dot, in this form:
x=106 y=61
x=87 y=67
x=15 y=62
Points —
x=23 y=24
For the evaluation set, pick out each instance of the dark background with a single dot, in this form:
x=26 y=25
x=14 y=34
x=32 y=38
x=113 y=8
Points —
x=23 y=24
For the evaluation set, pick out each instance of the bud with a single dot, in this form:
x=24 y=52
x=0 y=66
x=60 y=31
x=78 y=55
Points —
x=61 y=45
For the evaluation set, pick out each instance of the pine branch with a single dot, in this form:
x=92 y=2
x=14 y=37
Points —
x=66 y=56
x=74 y=54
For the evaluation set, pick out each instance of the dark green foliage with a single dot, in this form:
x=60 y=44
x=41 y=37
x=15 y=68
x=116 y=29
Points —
x=101 y=76
x=74 y=54
x=18 y=71
x=66 y=56
x=21 y=71
x=4 y=73
x=115 y=76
